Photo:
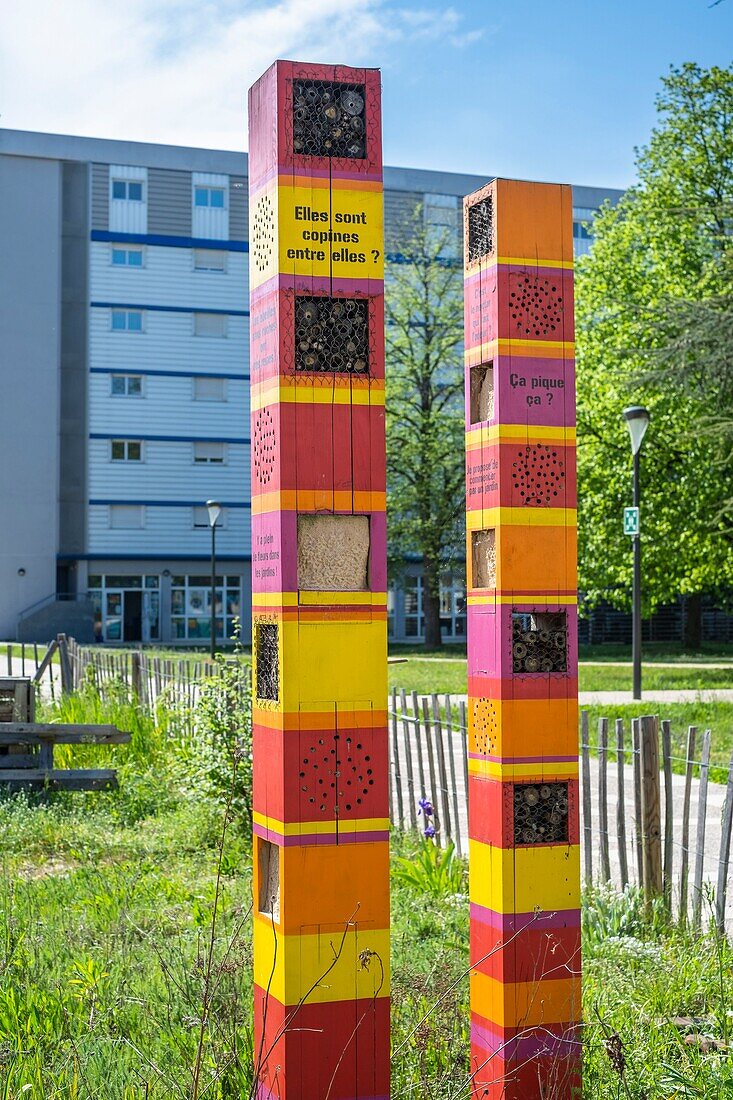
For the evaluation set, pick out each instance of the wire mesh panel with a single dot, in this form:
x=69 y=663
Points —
x=480 y=229
x=328 y=119
x=539 y=642
x=540 y=813
x=267 y=661
x=332 y=334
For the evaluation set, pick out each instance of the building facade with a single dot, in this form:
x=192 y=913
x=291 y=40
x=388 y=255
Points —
x=124 y=337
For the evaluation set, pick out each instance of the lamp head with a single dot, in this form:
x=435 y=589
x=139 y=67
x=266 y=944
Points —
x=214 y=509
x=637 y=421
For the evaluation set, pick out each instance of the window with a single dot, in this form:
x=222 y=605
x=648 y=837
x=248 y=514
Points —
x=441 y=220
x=209 y=259
x=191 y=605
x=209 y=389
x=126 y=516
x=125 y=450
x=201 y=517
x=126 y=385
x=127 y=320
x=209 y=453
x=127 y=190
x=209 y=324
x=126 y=257
x=209 y=196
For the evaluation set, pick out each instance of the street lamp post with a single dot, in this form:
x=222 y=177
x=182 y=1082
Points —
x=214 y=509
x=637 y=421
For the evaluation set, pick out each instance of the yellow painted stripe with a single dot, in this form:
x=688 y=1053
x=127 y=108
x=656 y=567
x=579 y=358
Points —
x=521 y=433
x=271 y=392
x=519 y=597
x=478 y=519
x=504 y=346
x=523 y=261
x=322 y=828
x=491 y=769
x=519 y=880
x=293 y=599
x=320 y=968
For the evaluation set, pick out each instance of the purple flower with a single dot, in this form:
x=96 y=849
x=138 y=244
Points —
x=429 y=831
x=426 y=807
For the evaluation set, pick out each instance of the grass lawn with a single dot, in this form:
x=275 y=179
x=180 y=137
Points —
x=430 y=674
x=106 y=917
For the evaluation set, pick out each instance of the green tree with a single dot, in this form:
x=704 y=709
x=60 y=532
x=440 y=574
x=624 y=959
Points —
x=654 y=326
x=424 y=354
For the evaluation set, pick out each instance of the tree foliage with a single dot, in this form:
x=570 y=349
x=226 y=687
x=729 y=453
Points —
x=425 y=463
x=654 y=324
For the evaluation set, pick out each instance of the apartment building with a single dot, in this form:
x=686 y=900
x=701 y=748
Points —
x=124 y=348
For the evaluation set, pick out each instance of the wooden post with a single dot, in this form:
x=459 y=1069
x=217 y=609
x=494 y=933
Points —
x=67 y=680
x=603 y=797
x=397 y=773
x=685 y=843
x=702 y=809
x=587 y=809
x=407 y=741
x=621 y=803
x=453 y=780
x=521 y=506
x=135 y=674
x=668 y=812
x=319 y=602
x=724 y=857
x=651 y=815
x=636 y=744
x=434 y=792
x=442 y=772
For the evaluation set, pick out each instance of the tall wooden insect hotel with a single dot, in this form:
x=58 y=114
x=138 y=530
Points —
x=522 y=642
x=321 y=929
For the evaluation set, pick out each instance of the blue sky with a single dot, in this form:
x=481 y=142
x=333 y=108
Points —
x=558 y=89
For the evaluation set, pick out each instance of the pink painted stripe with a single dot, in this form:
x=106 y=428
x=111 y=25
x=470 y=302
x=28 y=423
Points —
x=510 y=923
x=523 y=759
x=550 y=1040
x=318 y=839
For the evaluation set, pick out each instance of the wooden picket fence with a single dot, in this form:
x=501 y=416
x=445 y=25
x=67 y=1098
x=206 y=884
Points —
x=428 y=738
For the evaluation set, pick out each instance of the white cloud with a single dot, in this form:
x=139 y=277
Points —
x=177 y=71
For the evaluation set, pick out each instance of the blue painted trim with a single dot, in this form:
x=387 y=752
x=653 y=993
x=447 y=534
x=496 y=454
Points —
x=166 y=373
x=170 y=309
x=162 y=558
x=170 y=242
x=170 y=438
x=171 y=503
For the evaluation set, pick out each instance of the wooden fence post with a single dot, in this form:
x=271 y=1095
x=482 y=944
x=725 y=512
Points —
x=685 y=854
x=603 y=798
x=702 y=809
x=67 y=684
x=651 y=816
x=587 y=822
x=621 y=803
x=135 y=673
x=636 y=746
x=668 y=812
x=724 y=858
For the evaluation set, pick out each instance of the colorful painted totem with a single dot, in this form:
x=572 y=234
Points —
x=321 y=929
x=522 y=642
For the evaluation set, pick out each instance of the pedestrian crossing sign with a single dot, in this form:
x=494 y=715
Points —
x=631 y=521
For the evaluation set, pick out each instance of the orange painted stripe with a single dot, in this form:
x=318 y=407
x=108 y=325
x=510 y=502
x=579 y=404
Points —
x=525 y=1004
x=310 y=500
